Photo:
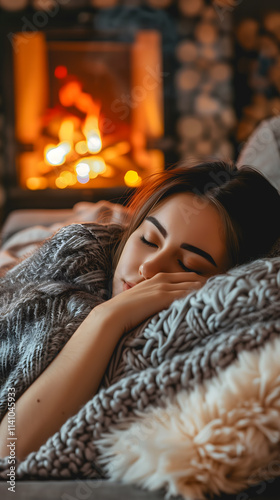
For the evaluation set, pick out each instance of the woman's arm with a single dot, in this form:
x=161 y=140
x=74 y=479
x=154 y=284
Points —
x=64 y=386
x=73 y=377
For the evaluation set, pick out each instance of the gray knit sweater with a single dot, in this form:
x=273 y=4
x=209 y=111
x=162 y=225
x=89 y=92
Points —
x=231 y=325
x=47 y=296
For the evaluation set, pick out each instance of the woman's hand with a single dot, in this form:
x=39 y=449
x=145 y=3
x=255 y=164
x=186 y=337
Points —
x=75 y=373
x=133 y=306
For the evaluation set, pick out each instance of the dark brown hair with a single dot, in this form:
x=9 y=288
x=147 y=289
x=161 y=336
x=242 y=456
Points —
x=245 y=200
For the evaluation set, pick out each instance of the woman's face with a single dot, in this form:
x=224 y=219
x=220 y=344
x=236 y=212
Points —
x=183 y=233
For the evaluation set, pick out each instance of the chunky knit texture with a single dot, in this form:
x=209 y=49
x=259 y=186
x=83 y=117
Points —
x=44 y=299
x=192 y=343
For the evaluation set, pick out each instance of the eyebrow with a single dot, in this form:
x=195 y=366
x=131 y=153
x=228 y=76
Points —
x=185 y=246
x=156 y=223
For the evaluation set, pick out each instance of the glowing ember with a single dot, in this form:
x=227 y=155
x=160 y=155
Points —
x=98 y=165
x=72 y=134
x=119 y=149
x=82 y=169
x=92 y=134
x=132 y=178
x=61 y=183
x=94 y=142
x=60 y=72
x=66 y=131
x=81 y=147
x=83 y=180
x=55 y=155
x=69 y=93
x=36 y=183
x=69 y=178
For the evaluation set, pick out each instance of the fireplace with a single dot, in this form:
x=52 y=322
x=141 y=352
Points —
x=98 y=94
x=85 y=105
x=87 y=113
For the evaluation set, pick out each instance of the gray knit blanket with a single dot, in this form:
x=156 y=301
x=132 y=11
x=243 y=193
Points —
x=190 y=401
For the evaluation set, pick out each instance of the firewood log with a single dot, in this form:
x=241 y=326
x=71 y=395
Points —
x=13 y=5
x=159 y=4
x=187 y=51
x=191 y=8
x=272 y=23
x=228 y=117
x=220 y=72
x=190 y=127
x=103 y=4
x=206 y=33
x=188 y=79
x=268 y=47
x=205 y=104
x=247 y=34
x=204 y=148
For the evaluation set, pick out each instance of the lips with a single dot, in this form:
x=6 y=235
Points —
x=127 y=286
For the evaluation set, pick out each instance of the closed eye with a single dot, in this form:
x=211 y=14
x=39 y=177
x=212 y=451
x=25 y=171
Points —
x=187 y=269
x=146 y=242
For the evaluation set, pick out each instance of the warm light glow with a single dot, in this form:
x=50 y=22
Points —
x=61 y=183
x=94 y=142
x=119 y=149
x=68 y=94
x=110 y=153
x=90 y=167
x=132 y=178
x=84 y=102
x=98 y=165
x=83 y=180
x=36 y=183
x=123 y=147
x=81 y=147
x=65 y=127
x=152 y=160
x=91 y=123
x=56 y=155
x=66 y=131
x=60 y=72
x=108 y=172
x=43 y=168
x=92 y=134
x=82 y=169
x=92 y=175
x=68 y=177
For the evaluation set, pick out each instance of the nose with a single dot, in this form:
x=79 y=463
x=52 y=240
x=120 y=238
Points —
x=157 y=264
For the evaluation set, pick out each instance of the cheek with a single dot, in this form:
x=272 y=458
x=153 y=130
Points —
x=129 y=257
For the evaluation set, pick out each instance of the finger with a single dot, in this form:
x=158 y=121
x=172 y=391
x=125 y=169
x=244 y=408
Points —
x=178 y=277
x=167 y=288
x=177 y=294
x=194 y=285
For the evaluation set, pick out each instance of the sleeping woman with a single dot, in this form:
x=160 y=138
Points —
x=89 y=285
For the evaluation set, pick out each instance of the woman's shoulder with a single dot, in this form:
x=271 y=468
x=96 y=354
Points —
x=77 y=234
x=71 y=249
x=95 y=229
x=100 y=231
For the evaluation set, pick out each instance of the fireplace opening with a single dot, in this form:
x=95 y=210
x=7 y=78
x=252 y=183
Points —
x=96 y=98
x=88 y=114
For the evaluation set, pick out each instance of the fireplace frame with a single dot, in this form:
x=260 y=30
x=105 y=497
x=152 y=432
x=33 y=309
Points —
x=70 y=25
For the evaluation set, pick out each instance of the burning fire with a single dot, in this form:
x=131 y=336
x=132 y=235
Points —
x=70 y=129
x=79 y=154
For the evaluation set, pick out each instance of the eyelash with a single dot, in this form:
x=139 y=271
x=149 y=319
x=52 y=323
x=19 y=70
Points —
x=150 y=244
x=146 y=242
x=187 y=269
